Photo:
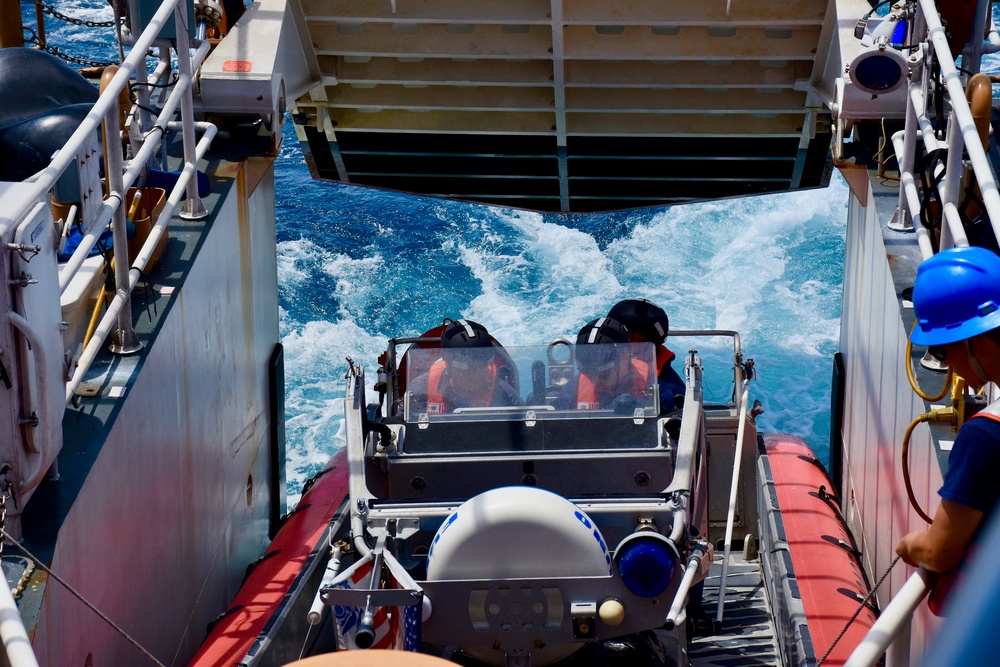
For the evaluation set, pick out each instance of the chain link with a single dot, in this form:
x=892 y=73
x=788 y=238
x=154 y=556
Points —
x=56 y=51
x=32 y=37
x=56 y=14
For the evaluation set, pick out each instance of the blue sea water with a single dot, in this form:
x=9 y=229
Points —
x=357 y=266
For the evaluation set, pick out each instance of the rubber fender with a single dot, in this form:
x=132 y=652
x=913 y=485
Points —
x=35 y=83
x=28 y=146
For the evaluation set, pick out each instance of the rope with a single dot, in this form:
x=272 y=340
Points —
x=862 y=606
x=80 y=597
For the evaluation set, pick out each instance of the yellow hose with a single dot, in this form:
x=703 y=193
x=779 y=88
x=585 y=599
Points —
x=913 y=380
x=98 y=309
x=953 y=415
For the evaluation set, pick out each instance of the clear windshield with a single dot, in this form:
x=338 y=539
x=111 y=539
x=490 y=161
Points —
x=557 y=381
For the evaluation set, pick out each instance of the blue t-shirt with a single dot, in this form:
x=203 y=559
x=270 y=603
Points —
x=671 y=385
x=973 y=477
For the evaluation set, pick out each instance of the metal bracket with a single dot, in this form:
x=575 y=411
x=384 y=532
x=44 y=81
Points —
x=404 y=529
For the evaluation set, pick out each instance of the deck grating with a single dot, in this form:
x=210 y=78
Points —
x=748 y=637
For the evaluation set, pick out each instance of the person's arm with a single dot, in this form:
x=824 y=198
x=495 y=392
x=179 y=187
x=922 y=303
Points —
x=942 y=546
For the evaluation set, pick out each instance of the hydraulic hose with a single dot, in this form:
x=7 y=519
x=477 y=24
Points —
x=913 y=380
x=926 y=417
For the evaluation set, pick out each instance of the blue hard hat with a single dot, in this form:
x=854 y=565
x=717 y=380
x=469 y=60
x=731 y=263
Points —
x=956 y=296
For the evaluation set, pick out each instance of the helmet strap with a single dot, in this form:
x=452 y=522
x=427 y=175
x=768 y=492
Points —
x=974 y=364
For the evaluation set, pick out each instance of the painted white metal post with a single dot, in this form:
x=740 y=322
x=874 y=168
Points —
x=15 y=640
x=734 y=487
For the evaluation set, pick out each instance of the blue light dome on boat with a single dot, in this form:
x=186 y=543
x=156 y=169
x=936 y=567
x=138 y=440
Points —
x=646 y=563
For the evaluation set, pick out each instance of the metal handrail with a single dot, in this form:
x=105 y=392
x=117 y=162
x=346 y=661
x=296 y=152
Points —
x=893 y=622
x=961 y=133
x=118 y=311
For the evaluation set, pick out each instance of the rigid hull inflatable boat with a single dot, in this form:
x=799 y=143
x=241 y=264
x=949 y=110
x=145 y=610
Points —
x=532 y=535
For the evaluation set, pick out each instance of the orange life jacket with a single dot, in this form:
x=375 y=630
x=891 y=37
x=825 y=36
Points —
x=663 y=358
x=586 y=392
x=436 y=403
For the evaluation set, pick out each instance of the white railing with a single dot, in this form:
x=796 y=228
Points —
x=891 y=632
x=961 y=134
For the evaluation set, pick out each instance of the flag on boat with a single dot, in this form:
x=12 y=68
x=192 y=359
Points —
x=395 y=628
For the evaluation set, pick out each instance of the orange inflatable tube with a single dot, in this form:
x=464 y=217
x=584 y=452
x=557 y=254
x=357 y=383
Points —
x=262 y=592
x=829 y=577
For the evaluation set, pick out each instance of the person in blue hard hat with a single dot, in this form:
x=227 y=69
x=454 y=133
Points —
x=648 y=323
x=956 y=299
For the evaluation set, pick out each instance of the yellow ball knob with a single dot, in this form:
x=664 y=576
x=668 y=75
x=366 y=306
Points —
x=612 y=612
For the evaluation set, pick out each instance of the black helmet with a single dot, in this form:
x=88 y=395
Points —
x=465 y=333
x=642 y=317
x=595 y=358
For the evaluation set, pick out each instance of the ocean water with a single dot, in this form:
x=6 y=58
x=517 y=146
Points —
x=357 y=266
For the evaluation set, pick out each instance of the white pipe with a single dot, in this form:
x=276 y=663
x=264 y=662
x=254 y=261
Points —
x=72 y=266
x=956 y=235
x=931 y=142
x=680 y=598
x=892 y=619
x=45 y=454
x=16 y=644
x=913 y=199
x=332 y=570
x=734 y=487
x=960 y=108
x=679 y=523
x=158 y=229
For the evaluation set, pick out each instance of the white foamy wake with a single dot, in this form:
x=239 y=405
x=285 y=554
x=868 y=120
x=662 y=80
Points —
x=316 y=353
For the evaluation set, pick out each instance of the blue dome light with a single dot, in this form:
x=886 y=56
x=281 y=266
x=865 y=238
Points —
x=878 y=71
x=646 y=565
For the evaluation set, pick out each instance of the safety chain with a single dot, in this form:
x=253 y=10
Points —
x=56 y=51
x=863 y=604
x=56 y=14
x=5 y=493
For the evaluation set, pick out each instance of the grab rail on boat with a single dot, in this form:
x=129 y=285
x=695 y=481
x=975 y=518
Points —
x=890 y=635
x=962 y=133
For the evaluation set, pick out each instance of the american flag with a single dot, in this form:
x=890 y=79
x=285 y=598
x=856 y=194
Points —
x=395 y=627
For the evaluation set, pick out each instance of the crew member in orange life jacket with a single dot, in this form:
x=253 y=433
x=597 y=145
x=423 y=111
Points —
x=608 y=378
x=647 y=322
x=467 y=374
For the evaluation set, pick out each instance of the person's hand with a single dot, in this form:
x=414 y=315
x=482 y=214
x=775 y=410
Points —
x=905 y=546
